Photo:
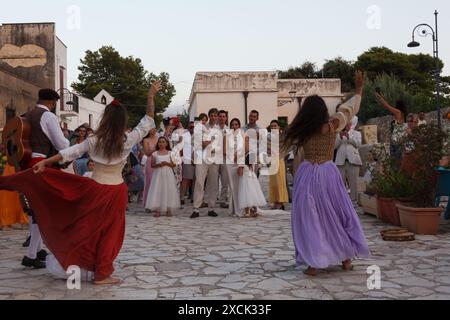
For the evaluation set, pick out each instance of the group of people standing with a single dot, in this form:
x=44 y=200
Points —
x=212 y=183
x=83 y=220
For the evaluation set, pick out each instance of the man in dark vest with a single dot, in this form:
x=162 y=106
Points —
x=46 y=140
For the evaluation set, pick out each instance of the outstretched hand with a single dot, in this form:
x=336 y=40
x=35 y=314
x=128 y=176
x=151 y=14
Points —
x=359 y=81
x=155 y=88
x=39 y=167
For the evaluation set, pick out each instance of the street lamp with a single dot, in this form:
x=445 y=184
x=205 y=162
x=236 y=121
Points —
x=68 y=99
x=423 y=30
x=292 y=95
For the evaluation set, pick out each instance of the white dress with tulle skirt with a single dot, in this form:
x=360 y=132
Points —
x=163 y=194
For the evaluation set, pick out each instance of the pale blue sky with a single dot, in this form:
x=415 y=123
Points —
x=183 y=37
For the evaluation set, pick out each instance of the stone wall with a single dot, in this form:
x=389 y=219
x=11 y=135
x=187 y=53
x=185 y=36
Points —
x=27 y=63
x=384 y=124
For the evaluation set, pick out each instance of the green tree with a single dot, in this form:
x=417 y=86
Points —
x=416 y=71
x=340 y=69
x=185 y=119
x=392 y=89
x=125 y=78
x=307 y=70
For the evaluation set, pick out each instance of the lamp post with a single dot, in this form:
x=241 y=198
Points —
x=292 y=95
x=422 y=31
x=245 y=93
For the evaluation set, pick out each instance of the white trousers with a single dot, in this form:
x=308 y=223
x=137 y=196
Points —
x=55 y=268
x=35 y=241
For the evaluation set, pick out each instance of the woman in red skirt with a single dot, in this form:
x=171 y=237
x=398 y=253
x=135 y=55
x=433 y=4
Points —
x=82 y=221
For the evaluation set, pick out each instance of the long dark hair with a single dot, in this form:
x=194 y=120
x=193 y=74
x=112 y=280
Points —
x=111 y=131
x=168 y=148
x=401 y=105
x=308 y=122
x=237 y=120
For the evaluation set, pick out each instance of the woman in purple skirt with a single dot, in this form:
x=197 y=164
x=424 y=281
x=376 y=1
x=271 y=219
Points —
x=325 y=226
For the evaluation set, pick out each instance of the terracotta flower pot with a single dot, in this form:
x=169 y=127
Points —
x=423 y=221
x=387 y=211
x=404 y=202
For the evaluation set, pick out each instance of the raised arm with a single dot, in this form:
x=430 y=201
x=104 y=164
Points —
x=147 y=122
x=350 y=108
x=397 y=113
x=154 y=89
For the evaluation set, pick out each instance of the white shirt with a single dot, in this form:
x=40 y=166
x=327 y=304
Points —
x=50 y=127
x=247 y=127
x=88 y=146
x=88 y=174
x=225 y=128
x=236 y=147
x=347 y=148
x=187 y=147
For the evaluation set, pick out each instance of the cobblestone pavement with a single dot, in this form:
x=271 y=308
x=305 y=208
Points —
x=230 y=258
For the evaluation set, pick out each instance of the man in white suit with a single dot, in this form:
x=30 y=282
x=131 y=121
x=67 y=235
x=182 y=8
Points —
x=348 y=159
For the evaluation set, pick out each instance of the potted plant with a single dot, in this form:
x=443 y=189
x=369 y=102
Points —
x=384 y=187
x=421 y=216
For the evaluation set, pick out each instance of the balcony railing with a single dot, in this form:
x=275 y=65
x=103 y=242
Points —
x=69 y=103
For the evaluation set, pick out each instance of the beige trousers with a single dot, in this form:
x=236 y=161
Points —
x=224 y=181
x=350 y=173
x=210 y=174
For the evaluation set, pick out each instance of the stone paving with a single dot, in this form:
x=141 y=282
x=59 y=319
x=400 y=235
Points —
x=238 y=259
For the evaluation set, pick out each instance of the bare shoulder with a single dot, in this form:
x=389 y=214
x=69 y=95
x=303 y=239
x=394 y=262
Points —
x=330 y=126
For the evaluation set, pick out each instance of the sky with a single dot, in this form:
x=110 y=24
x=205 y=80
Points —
x=182 y=37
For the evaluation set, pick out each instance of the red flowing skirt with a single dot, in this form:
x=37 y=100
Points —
x=81 y=221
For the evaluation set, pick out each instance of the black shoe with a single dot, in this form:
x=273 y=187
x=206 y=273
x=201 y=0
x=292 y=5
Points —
x=182 y=202
x=225 y=206
x=34 y=263
x=212 y=214
x=42 y=255
x=195 y=215
x=26 y=244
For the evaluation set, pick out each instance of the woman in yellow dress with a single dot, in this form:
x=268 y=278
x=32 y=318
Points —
x=278 y=193
x=11 y=212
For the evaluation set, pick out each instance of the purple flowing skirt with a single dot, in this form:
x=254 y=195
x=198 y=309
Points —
x=325 y=226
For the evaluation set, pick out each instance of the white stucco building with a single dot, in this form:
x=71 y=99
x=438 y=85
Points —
x=75 y=110
x=291 y=93
x=235 y=92
x=81 y=110
x=104 y=97
x=241 y=92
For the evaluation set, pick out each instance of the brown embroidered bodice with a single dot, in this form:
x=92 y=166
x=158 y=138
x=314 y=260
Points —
x=320 y=148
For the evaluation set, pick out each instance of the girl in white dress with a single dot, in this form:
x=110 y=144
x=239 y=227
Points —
x=163 y=194
x=250 y=194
